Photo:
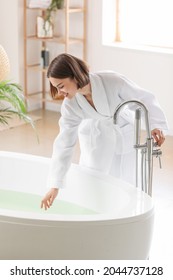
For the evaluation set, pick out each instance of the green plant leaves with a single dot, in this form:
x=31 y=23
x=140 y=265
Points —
x=12 y=103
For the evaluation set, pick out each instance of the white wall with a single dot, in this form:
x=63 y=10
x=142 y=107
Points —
x=152 y=71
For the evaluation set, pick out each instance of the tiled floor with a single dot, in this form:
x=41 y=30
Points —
x=22 y=139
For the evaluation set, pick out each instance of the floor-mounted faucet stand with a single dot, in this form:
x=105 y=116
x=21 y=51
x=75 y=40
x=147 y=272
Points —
x=148 y=149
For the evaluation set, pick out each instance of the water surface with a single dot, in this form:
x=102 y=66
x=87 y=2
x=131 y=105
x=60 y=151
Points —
x=19 y=201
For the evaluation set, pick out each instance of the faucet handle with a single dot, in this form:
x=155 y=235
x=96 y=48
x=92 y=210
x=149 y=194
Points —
x=160 y=163
x=157 y=153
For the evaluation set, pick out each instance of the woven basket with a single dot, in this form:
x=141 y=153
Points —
x=4 y=64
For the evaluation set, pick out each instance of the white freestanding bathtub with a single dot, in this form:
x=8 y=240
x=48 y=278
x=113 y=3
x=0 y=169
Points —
x=94 y=217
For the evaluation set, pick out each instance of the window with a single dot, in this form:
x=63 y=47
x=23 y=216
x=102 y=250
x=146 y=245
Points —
x=144 y=22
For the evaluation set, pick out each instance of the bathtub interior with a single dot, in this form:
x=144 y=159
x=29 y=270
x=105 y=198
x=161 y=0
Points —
x=91 y=190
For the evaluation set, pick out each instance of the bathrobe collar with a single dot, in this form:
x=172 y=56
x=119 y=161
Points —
x=99 y=99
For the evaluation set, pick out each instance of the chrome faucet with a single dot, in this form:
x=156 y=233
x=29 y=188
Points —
x=148 y=149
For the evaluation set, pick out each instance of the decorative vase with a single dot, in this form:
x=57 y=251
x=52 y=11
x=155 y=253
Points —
x=44 y=28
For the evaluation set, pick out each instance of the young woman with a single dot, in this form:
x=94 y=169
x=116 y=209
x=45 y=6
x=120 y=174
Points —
x=87 y=112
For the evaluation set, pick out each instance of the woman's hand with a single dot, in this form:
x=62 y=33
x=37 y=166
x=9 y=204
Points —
x=158 y=136
x=48 y=200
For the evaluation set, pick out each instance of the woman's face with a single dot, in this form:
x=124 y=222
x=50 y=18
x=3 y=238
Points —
x=66 y=87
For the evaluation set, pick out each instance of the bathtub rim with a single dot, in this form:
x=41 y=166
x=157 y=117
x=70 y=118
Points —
x=30 y=216
x=66 y=220
x=24 y=156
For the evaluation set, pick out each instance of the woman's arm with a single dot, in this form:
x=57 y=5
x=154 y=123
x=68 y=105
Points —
x=157 y=118
x=62 y=154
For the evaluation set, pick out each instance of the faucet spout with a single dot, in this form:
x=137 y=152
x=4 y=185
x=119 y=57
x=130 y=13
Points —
x=141 y=105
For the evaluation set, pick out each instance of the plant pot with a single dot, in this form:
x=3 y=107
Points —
x=44 y=28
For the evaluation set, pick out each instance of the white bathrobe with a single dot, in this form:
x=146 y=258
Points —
x=104 y=146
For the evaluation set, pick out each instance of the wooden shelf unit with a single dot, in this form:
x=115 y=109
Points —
x=64 y=40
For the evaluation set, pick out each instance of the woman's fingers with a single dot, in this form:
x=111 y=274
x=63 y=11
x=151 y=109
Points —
x=44 y=204
x=158 y=136
x=49 y=198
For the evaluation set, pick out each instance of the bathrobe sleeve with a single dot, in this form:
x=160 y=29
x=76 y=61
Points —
x=130 y=90
x=63 y=146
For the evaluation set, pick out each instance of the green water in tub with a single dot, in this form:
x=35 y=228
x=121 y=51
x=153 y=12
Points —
x=19 y=201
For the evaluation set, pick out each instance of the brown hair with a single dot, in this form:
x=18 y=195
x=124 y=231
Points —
x=68 y=66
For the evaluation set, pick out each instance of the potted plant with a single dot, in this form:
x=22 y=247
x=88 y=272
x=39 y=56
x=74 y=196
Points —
x=44 y=24
x=53 y=7
x=11 y=98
